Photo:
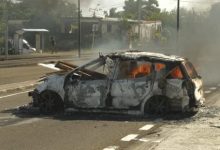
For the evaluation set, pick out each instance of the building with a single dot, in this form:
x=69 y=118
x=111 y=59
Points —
x=100 y=30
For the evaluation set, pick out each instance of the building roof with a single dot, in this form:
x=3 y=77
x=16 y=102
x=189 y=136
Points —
x=35 y=30
x=108 y=19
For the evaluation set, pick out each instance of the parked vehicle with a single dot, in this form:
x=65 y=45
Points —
x=26 y=47
x=20 y=46
x=133 y=82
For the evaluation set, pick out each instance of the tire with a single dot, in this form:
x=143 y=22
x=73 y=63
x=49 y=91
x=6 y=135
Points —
x=157 y=105
x=51 y=102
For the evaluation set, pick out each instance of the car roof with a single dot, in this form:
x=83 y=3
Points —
x=138 y=55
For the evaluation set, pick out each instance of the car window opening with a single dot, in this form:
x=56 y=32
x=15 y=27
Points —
x=191 y=70
x=176 y=73
x=141 y=71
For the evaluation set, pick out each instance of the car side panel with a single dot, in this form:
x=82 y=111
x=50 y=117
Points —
x=179 y=99
x=87 y=94
x=129 y=92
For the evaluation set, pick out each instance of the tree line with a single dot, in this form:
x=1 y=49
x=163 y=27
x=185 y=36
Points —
x=47 y=14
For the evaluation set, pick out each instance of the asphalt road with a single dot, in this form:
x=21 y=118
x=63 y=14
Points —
x=22 y=131
x=25 y=73
x=81 y=131
x=78 y=131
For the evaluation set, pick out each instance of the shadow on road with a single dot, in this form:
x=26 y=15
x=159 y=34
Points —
x=98 y=116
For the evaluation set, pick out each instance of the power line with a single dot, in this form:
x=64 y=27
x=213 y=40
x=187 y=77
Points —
x=199 y=2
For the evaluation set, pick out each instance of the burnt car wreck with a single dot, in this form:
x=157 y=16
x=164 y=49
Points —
x=132 y=82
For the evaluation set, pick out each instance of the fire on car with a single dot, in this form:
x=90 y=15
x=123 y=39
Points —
x=131 y=82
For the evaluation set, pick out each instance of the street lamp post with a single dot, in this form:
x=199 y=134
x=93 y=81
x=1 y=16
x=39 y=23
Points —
x=178 y=25
x=139 y=18
x=178 y=15
x=79 y=29
x=6 y=29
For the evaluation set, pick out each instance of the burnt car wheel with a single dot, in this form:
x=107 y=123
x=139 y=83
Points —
x=51 y=102
x=157 y=105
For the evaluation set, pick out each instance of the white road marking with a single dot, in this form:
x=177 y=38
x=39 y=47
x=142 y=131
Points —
x=50 y=66
x=111 y=148
x=147 y=127
x=143 y=140
x=157 y=141
x=129 y=137
x=213 y=88
x=8 y=117
x=29 y=121
x=207 y=92
x=1 y=97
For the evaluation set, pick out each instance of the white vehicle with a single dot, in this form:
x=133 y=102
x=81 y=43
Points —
x=133 y=82
x=25 y=47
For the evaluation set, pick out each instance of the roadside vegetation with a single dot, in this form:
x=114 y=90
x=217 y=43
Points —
x=48 y=14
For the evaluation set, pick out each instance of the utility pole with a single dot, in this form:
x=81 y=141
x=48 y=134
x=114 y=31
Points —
x=139 y=18
x=178 y=25
x=6 y=28
x=178 y=16
x=79 y=29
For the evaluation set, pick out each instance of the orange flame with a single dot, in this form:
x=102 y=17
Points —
x=176 y=73
x=142 y=70
x=159 y=66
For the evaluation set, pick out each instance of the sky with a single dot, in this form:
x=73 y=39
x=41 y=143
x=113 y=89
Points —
x=88 y=6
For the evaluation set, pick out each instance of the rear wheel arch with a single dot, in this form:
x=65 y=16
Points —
x=156 y=101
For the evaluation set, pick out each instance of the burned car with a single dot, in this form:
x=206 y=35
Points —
x=133 y=82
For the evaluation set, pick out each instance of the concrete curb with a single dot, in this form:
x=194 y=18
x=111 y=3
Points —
x=28 y=57
x=9 y=88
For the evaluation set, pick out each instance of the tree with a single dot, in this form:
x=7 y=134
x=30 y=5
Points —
x=148 y=9
x=113 y=13
x=47 y=13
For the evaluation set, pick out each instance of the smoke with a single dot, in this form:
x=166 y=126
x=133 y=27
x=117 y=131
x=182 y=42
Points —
x=200 y=4
x=199 y=41
x=84 y=3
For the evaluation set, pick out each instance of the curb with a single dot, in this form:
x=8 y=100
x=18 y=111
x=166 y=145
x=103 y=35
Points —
x=20 y=88
x=28 y=57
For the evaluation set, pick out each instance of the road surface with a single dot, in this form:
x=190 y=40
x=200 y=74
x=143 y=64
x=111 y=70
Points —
x=85 y=131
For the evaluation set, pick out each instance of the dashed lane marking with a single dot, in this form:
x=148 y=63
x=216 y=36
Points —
x=147 y=127
x=208 y=92
x=143 y=140
x=129 y=137
x=157 y=141
x=213 y=88
x=1 y=97
x=111 y=148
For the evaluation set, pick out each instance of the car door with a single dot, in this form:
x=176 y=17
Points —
x=131 y=84
x=86 y=93
x=86 y=88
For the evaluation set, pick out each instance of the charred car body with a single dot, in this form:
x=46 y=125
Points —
x=133 y=82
